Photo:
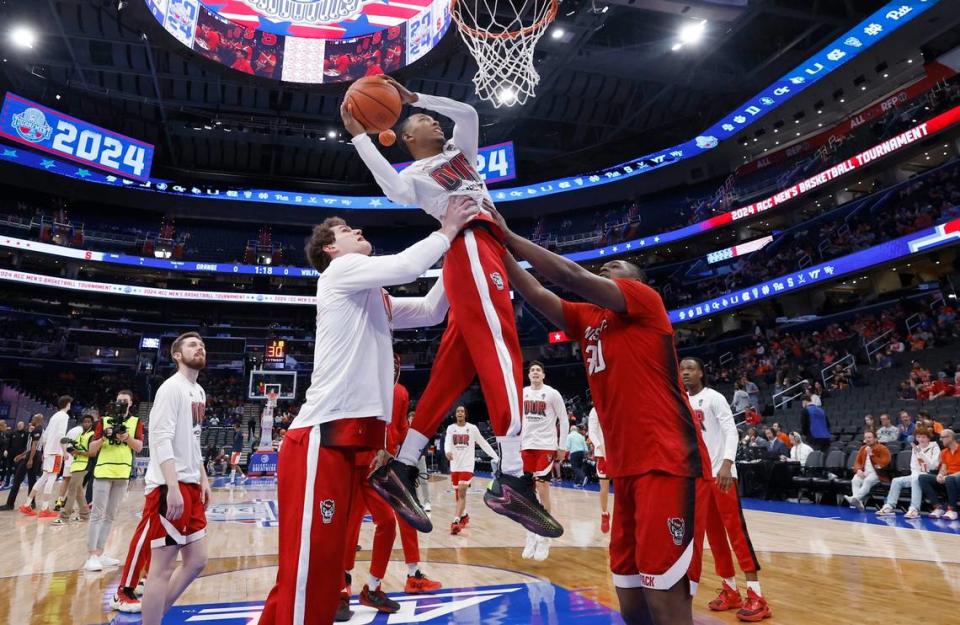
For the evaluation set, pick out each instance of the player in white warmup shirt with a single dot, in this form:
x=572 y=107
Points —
x=725 y=516
x=460 y=447
x=595 y=434
x=545 y=427
x=53 y=454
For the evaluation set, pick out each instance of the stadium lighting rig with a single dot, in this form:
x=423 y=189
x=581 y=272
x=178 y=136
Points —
x=690 y=34
x=23 y=37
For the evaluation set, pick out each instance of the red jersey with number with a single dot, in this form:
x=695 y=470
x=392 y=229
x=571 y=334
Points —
x=634 y=378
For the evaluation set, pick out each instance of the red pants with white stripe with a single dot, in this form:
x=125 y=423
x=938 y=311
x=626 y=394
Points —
x=137 y=562
x=725 y=521
x=480 y=339
x=315 y=490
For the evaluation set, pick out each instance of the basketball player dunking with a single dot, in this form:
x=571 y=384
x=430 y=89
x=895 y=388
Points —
x=347 y=407
x=725 y=516
x=654 y=449
x=481 y=334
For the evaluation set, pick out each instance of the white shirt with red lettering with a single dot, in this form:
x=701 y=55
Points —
x=462 y=441
x=595 y=434
x=174 y=433
x=545 y=421
x=717 y=426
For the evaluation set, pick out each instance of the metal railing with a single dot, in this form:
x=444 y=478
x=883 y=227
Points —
x=829 y=372
x=789 y=394
x=877 y=344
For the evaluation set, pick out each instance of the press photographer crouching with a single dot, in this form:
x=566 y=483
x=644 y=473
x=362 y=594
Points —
x=79 y=448
x=118 y=436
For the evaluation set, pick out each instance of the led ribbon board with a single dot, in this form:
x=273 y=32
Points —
x=944 y=234
x=51 y=131
x=890 y=146
x=306 y=41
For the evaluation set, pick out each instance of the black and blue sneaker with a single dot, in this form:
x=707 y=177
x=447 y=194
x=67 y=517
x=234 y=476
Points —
x=396 y=483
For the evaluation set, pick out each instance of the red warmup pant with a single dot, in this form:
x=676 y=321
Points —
x=315 y=490
x=137 y=562
x=383 y=537
x=480 y=339
x=725 y=521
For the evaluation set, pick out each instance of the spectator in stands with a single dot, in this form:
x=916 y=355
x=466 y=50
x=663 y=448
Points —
x=925 y=458
x=947 y=478
x=750 y=439
x=871 y=467
x=907 y=392
x=774 y=446
x=741 y=401
x=906 y=427
x=783 y=436
x=942 y=387
x=753 y=392
x=869 y=425
x=800 y=450
x=887 y=432
x=576 y=446
x=815 y=425
x=924 y=419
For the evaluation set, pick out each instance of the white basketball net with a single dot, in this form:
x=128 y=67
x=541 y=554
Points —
x=272 y=399
x=503 y=44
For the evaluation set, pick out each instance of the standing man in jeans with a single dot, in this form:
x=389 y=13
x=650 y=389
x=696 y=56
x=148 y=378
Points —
x=117 y=438
x=577 y=448
x=25 y=450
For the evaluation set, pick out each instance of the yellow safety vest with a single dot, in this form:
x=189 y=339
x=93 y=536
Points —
x=116 y=461
x=83 y=444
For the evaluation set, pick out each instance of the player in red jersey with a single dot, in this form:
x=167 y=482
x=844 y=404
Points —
x=654 y=449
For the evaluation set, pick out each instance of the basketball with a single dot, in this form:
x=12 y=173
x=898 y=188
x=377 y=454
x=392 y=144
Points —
x=375 y=103
x=388 y=138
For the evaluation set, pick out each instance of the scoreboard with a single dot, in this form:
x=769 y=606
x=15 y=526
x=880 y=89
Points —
x=276 y=352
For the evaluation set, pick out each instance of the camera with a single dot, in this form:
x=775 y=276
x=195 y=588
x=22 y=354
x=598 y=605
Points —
x=69 y=445
x=113 y=418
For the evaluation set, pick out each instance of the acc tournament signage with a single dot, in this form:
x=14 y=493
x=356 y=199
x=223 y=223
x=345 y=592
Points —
x=262 y=463
x=45 y=129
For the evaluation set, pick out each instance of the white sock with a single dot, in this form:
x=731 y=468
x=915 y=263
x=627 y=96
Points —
x=373 y=582
x=731 y=582
x=412 y=448
x=413 y=568
x=755 y=587
x=510 y=461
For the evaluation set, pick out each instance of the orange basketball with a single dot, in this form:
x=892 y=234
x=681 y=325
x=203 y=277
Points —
x=375 y=103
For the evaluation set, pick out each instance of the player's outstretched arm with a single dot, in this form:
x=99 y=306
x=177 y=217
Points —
x=421 y=312
x=562 y=272
x=393 y=185
x=543 y=299
x=466 y=128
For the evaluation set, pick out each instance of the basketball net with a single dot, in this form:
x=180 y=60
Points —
x=502 y=36
x=272 y=399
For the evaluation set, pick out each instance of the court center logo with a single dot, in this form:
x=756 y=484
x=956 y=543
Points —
x=31 y=124
x=306 y=11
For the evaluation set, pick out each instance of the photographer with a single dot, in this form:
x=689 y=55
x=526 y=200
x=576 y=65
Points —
x=117 y=438
x=79 y=448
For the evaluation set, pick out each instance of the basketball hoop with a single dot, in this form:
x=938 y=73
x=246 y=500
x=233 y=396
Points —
x=272 y=399
x=502 y=36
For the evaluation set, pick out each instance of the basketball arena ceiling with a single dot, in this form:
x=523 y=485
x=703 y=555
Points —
x=611 y=85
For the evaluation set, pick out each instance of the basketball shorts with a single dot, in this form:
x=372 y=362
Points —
x=538 y=461
x=657 y=535
x=190 y=527
x=52 y=464
x=235 y=458
x=601 y=467
x=461 y=477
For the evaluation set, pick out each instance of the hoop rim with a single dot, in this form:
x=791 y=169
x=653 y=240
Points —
x=523 y=32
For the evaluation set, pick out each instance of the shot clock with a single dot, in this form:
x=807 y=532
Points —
x=45 y=129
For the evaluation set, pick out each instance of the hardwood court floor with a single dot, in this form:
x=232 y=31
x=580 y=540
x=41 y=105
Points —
x=815 y=570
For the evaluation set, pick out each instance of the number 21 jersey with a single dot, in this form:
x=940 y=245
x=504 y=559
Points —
x=631 y=366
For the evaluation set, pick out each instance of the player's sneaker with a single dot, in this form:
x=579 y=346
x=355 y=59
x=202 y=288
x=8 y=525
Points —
x=427 y=507
x=951 y=515
x=344 y=613
x=418 y=583
x=455 y=527
x=465 y=520
x=138 y=591
x=912 y=513
x=27 y=510
x=108 y=561
x=605 y=522
x=887 y=510
x=516 y=499
x=92 y=564
x=935 y=514
x=542 y=552
x=755 y=609
x=48 y=514
x=124 y=601
x=57 y=507
x=396 y=483
x=530 y=546
x=728 y=599
x=378 y=600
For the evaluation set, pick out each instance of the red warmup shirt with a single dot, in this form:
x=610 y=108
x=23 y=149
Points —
x=397 y=431
x=634 y=378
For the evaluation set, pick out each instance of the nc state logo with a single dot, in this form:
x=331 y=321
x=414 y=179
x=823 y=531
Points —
x=497 y=280
x=676 y=526
x=327 y=509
